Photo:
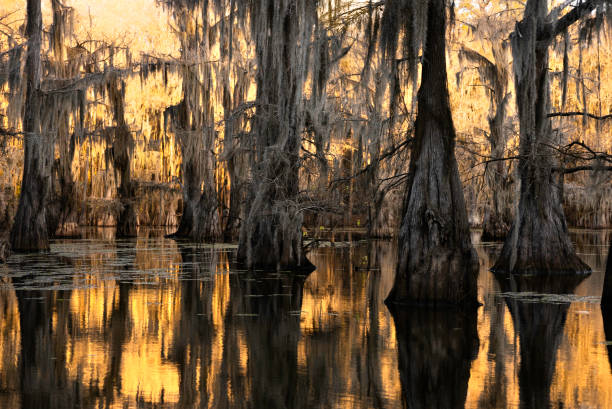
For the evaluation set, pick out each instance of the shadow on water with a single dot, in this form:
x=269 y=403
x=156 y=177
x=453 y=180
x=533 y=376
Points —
x=539 y=319
x=435 y=352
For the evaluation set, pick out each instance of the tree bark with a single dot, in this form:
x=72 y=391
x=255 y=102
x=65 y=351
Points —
x=271 y=236
x=192 y=122
x=123 y=148
x=437 y=263
x=497 y=218
x=538 y=242
x=30 y=230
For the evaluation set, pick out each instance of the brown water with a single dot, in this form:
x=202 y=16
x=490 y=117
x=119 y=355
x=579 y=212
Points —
x=151 y=323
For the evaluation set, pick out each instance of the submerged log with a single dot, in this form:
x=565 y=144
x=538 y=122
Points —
x=437 y=263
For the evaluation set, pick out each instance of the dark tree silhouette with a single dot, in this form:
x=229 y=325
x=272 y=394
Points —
x=539 y=241
x=437 y=263
x=540 y=328
x=30 y=230
x=435 y=352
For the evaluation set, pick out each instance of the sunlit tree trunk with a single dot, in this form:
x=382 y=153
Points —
x=539 y=241
x=62 y=211
x=437 y=263
x=30 y=230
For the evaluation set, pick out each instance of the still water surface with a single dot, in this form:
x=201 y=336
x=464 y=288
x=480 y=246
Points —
x=152 y=323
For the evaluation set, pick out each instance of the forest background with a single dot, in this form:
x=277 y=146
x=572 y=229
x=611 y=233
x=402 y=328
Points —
x=121 y=78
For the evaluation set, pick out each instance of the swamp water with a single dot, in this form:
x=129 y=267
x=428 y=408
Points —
x=153 y=323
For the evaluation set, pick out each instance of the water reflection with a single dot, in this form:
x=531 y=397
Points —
x=152 y=323
x=539 y=321
x=435 y=352
x=43 y=323
x=606 y=314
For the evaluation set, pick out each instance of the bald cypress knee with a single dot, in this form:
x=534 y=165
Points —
x=30 y=230
x=538 y=242
x=437 y=263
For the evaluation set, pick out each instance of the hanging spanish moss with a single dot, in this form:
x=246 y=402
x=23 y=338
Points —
x=495 y=75
x=539 y=241
x=193 y=121
x=30 y=230
x=271 y=236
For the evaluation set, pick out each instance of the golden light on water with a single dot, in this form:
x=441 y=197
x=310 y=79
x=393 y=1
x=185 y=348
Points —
x=162 y=344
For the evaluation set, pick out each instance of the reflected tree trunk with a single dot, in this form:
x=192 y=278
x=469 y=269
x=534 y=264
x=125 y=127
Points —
x=435 y=352
x=30 y=231
x=606 y=315
x=606 y=305
x=272 y=328
x=606 y=296
x=193 y=345
x=43 y=320
x=119 y=329
x=540 y=328
x=494 y=394
x=437 y=263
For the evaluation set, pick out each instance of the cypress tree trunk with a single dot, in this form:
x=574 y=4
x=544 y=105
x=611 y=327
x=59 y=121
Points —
x=193 y=121
x=62 y=216
x=191 y=173
x=271 y=236
x=437 y=263
x=30 y=230
x=497 y=219
x=538 y=242
x=123 y=147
